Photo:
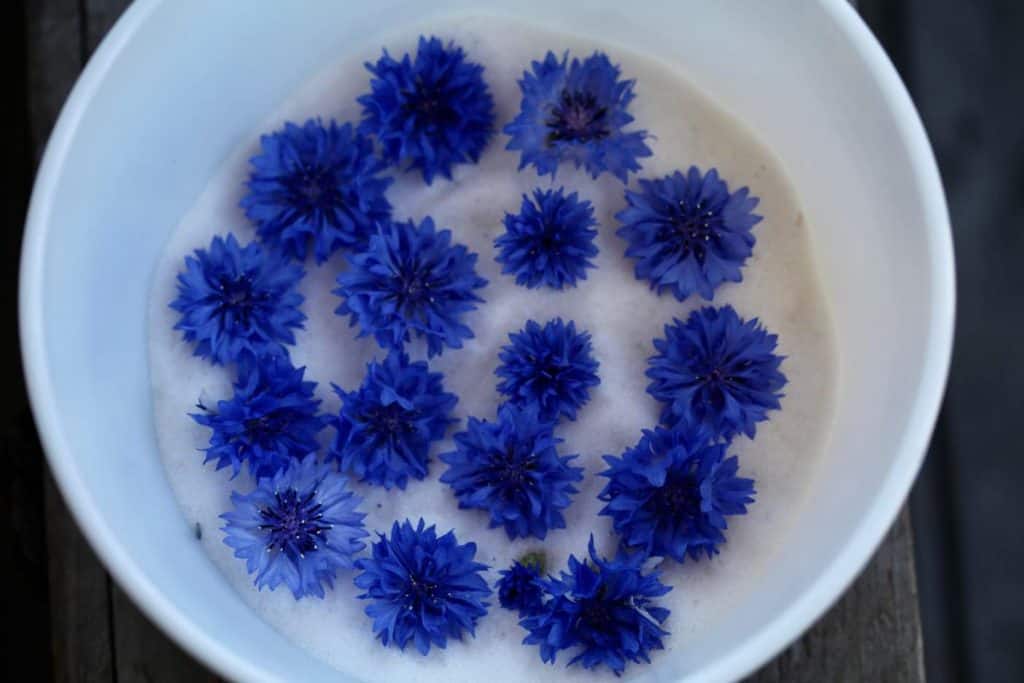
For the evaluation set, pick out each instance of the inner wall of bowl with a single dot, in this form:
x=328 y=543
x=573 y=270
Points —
x=197 y=76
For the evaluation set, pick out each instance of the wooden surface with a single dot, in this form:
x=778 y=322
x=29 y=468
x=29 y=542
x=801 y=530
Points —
x=98 y=636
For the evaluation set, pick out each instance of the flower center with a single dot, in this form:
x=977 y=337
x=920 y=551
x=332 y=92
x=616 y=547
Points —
x=265 y=426
x=513 y=469
x=679 y=498
x=413 y=290
x=598 y=612
x=293 y=525
x=314 y=188
x=548 y=371
x=577 y=118
x=419 y=592
x=236 y=292
x=236 y=299
x=694 y=225
x=389 y=420
x=548 y=242
x=714 y=375
x=429 y=104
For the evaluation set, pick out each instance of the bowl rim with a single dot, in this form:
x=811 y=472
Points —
x=788 y=625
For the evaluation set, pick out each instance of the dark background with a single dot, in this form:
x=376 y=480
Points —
x=962 y=63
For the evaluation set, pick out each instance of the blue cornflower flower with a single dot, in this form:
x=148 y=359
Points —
x=550 y=241
x=716 y=369
x=297 y=528
x=511 y=469
x=669 y=495
x=411 y=280
x=432 y=112
x=238 y=302
x=271 y=419
x=385 y=429
x=550 y=366
x=576 y=112
x=520 y=587
x=423 y=588
x=316 y=184
x=688 y=233
x=603 y=608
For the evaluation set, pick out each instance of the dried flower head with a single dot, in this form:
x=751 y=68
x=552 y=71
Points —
x=550 y=241
x=576 y=112
x=511 y=469
x=271 y=419
x=298 y=528
x=716 y=369
x=386 y=427
x=604 y=609
x=550 y=366
x=238 y=302
x=316 y=185
x=422 y=588
x=431 y=112
x=688 y=233
x=520 y=588
x=670 y=494
x=412 y=281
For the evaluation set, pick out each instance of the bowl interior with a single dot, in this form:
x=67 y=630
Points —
x=177 y=86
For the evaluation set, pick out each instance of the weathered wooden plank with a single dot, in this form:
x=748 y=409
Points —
x=25 y=633
x=55 y=57
x=962 y=61
x=872 y=634
x=144 y=654
x=79 y=599
x=99 y=17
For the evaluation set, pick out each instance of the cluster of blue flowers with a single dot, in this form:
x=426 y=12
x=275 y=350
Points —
x=321 y=188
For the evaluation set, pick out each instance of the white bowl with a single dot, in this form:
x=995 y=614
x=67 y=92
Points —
x=177 y=85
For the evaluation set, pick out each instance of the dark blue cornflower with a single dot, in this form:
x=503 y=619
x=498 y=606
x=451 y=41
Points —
x=550 y=241
x=316 y=184
x=688 y=233
x=411 y=281
x=670 y=494
x=386 y=428
x=422 y=588
x=511 y=469
x=430 y=113
x=298 y=528
x=604 y=609
x=576 y=112
x=271 y=419
x=550 y=366
x=520 y=587
x=716 y=369
x=238 y=302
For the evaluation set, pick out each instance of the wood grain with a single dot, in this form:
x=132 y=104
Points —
x=98 y=16
x=25 y=633
x=80 y=600
x=55 y=56
x=872 y=634
x=144 y=655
